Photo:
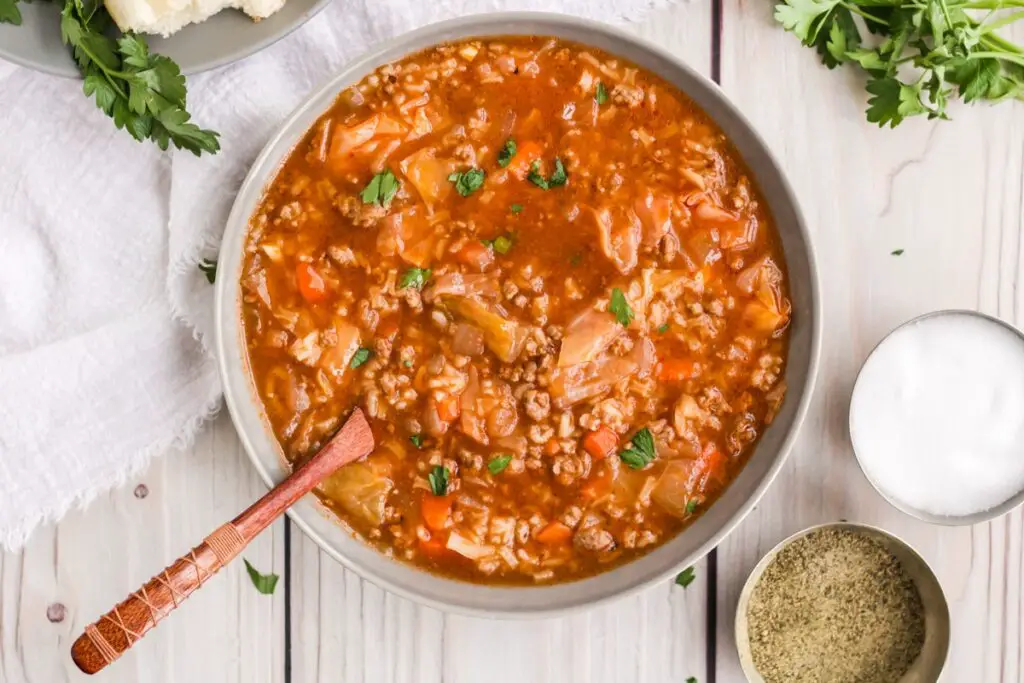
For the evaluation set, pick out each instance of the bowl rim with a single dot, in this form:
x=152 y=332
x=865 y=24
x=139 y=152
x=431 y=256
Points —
x=466 y=598
x=1007 y=506
x=741 y=634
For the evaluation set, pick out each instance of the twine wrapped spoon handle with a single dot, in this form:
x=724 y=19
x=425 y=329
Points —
x=117 y=630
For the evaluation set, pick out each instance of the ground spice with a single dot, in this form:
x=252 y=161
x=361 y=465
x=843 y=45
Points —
x=835 y=607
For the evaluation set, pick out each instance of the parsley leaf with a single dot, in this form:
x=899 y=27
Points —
x=641 y=451
x=558 y=177
x=438 y=480
x=601 y=96
x=9 y=12
x=498 y=464
x=506 y=153
x=209 y=268
x=691 y=679
x=415 y=278
x=417 y=440
x=516 y=208
x=381 y=189
x=927 y=52
x=360 y=357
x=686 y=577
x=143 y=93
x=897 y=252
x=265 y=583
x=467 y=182
x=535 y=177
x=691 y=506
x=663 y=329
x=620 y=308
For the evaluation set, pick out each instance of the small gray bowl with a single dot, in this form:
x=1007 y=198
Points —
x=661 y=563
x=928 y=665
x=945 y=520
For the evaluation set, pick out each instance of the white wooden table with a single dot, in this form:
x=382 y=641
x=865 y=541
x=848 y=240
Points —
x=950 y=194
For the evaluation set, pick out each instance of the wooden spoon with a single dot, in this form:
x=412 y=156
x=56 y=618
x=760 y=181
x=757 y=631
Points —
x=118 y=629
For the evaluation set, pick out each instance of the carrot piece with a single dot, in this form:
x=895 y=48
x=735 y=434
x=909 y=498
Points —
x=475 y=255
x=448 y=409
x=676 y=370
x=433 y=548
x=436 y=510
x=526 y=153
x=555 y=533
x=601 y=443
x=712 y=465
x=551 y=447
x=311 y=284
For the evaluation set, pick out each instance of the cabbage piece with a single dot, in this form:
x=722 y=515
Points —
x=619 y=235
x=675 y=487
x=428 y=174
x=587 y=336
x=361 y=489
x=503 y=336
x=586 y=380
x=374 y=137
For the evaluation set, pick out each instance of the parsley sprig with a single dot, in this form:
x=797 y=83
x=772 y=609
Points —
x=641 y=451
x=144 y=93
x=927 y=51
x=620 y=308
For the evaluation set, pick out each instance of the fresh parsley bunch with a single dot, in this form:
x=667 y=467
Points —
x=927 y=50
x=144 y=93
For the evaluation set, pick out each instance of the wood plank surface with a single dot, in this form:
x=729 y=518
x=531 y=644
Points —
x=951 y=195
x=226 y=632
x=346 y=629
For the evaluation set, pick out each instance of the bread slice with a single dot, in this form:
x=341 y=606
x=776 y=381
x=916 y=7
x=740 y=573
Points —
x=164 y=17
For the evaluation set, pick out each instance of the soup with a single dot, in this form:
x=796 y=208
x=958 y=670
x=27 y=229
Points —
x=549 y=282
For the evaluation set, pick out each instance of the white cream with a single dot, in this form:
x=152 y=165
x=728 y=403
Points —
x=937 y=416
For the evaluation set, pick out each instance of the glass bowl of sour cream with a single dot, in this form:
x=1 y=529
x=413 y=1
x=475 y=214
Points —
x=937 y=417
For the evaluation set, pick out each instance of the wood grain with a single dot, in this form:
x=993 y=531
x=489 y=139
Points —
x=105 y=640
x=226 y=633
x=949 y=194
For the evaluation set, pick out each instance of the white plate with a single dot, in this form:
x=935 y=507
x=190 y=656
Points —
x=220 y=40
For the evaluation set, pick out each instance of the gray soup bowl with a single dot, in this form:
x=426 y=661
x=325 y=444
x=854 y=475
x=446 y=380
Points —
x=688 y=546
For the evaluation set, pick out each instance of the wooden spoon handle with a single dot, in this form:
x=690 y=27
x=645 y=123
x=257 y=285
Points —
x=119 y=629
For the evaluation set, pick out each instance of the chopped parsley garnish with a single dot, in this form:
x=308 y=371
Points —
x=895 y=252
x=360 y=357
x=558 y=178
x=685 y=578
x=209 y=269
x=265 y=583
x=417 y=440
x=498 y=464
x=506 y=153
x=407 y=363
x=381 y=189
x=641 y=450
x=602 y=93
x=575 y=260
x=620 y=308
x=501 y=244
x=663 y=329
x=415 y=278
x=438 y=479
x=691 y=506
x=516 y=208
x=467 y=182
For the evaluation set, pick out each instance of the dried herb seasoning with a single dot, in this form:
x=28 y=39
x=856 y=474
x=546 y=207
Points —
x=835 y=607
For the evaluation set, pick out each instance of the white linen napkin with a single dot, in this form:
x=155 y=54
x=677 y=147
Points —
x=105 y=320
